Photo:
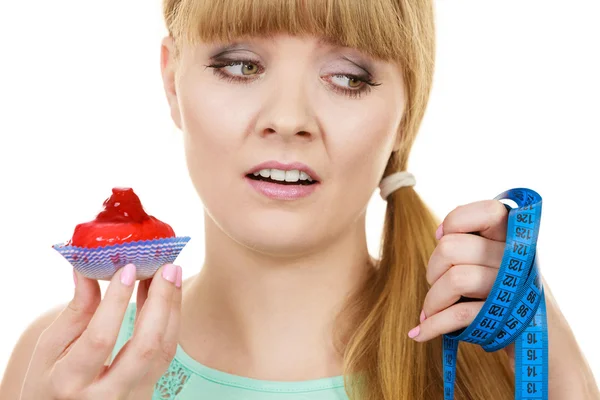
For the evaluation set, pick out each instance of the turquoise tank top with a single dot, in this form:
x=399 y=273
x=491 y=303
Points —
x=187 y=379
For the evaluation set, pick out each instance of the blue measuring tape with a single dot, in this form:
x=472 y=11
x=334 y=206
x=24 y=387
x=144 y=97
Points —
x=515 y=310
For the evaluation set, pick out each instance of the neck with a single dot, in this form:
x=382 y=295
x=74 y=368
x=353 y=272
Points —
x=262 y=317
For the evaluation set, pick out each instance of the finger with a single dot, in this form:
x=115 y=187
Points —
x=474 y=281
x=449 y=320
x=85 y=360
x=142 y=295
x=457 y=249
x=71 y=322
x=161 y=363
x=147 y=342
x=172 y=331
x=488 y=218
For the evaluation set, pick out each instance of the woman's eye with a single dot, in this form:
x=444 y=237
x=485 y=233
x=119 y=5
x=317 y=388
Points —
x=236 y=70
x=351 y=85
x=247 y=68
x=348 y=81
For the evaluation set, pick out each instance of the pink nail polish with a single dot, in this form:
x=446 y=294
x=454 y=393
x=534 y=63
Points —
x=128 y=275
x=422 y=317
x=170 y=273
x=440 y=231
x=179 y=277
x=414 y=332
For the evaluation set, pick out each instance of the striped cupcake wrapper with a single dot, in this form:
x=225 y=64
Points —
x=101 y=263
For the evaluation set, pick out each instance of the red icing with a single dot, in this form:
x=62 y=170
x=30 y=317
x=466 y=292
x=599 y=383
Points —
x=122 y=220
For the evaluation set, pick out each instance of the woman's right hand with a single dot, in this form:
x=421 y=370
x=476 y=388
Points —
x=68 y=362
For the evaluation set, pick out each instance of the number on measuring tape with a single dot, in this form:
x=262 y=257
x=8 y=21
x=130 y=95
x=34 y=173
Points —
x=515 y=310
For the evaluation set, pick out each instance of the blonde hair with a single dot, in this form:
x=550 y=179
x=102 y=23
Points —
x=390 y=365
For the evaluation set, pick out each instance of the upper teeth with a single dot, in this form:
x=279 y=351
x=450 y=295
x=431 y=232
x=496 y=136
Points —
x=293 y=175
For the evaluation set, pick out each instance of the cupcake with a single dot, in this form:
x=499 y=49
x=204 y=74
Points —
x=122 y=233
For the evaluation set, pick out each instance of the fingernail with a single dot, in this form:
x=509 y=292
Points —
x=75 y=278
x=128 y=275
x=170 y=273
x=414 y=332
x=179 y=277
x=439 y=232
x=422 y=317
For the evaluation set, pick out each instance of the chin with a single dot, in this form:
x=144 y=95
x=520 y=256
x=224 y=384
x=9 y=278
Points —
x=277 y=232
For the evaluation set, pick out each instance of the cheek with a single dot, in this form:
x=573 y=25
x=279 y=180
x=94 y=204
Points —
x=361 y=144
x=211 y=120
x=213 y=124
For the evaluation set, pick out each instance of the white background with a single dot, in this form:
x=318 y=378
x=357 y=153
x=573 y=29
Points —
x=515 y=103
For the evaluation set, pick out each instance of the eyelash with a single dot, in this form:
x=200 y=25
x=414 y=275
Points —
x=352 y=93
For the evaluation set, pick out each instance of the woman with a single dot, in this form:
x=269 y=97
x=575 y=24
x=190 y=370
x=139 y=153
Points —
x=292 y=113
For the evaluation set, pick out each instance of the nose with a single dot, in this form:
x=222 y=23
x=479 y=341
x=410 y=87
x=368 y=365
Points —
x=287 y=111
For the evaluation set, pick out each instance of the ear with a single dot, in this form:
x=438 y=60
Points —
x=168 y=69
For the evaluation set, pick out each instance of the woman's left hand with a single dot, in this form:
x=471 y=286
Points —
x=462 y=264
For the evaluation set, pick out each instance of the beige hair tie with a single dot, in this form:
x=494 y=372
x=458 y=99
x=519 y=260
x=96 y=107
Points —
x=395 y=181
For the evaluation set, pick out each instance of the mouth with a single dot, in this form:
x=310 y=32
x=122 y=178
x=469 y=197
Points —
x=279 y=181
x=284 y=174
x=293 y=177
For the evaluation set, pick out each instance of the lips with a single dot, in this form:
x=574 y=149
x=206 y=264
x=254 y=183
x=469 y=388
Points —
x=288 y=167
x=281 y=181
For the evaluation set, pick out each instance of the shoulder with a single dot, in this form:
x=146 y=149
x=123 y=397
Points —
x=17 y=366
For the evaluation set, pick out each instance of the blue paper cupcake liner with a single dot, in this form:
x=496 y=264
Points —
x=102 y=262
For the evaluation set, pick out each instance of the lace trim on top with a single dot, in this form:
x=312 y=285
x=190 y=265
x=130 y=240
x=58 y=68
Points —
x=172 y=382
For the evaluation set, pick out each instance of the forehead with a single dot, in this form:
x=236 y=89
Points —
x=373 y=26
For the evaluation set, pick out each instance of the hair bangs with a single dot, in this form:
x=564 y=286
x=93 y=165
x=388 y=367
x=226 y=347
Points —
x=374 y=27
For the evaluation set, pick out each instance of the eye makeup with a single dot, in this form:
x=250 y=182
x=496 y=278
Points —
x=351 y=71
